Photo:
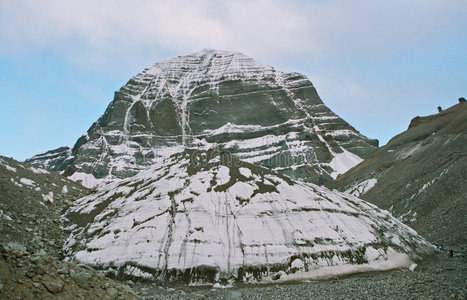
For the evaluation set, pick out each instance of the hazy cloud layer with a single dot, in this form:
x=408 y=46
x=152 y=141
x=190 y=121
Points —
x=264 y=28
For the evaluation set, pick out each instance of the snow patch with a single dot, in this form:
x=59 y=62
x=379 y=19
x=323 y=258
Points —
x=245 y=172
x=297 y=264
x=223 y=175
x=393 y=261
x=8 y=167
x=137 y=272
x=38 y=170
x=27 y=182
x=87 y=180
x=427 y=185
x=12 y=180
x=49 y=197
x=361 y=188
x=408 y=217
x=342 y=162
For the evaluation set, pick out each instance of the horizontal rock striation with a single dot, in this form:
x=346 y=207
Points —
x=56 y=160
x=225 y=101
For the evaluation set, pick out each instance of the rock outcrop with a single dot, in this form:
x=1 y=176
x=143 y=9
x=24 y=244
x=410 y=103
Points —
x=56 y=160
x=32 y=200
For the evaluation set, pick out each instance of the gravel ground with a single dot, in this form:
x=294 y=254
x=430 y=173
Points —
x=440 y=278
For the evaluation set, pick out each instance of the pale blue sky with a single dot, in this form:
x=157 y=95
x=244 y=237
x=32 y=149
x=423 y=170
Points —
x=375 y=63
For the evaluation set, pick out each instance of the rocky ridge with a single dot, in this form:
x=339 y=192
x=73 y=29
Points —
x=56 y=160
x=419 y=176
x=215 y=100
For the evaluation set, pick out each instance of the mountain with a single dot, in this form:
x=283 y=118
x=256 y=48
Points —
x=204 y=217
x=214 y=100
x=420 y=176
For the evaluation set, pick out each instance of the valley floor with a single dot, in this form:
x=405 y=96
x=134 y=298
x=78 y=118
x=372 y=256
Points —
x=440 y=278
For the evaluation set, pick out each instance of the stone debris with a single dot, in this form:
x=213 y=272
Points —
x=82 y=279
x=53 y=286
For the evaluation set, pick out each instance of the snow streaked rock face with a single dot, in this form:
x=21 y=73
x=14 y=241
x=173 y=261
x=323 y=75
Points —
x=55 y=160
x=222 y=100
x=203 y=217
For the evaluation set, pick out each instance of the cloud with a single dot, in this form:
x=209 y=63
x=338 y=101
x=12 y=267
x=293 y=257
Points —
x=276 y=28
x=120 y=26
x=378 y=28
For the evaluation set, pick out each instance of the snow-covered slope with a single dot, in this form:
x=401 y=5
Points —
x=218 y=100
x=206 y=217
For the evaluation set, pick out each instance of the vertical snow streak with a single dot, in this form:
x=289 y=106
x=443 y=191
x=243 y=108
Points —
x=168 y=243
x=280 y=82
x=184 y=119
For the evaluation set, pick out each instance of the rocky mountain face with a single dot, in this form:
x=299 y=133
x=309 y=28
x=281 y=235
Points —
x=204 y=217
x=215 y=100
x=420 y=177
x=56 y=160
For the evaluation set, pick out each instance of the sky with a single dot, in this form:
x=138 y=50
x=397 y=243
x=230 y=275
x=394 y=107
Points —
x=377 y=64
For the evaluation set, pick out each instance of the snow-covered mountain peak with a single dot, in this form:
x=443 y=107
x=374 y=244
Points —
x=222 y=100
x=209 y=62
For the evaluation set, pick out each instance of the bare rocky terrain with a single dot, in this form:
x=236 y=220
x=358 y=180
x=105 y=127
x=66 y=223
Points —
x=32 y=265
x=440 y=278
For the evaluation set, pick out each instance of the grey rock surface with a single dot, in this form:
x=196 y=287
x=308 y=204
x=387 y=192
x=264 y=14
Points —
x=53 y=286
x=82 y=279
x=56 y=160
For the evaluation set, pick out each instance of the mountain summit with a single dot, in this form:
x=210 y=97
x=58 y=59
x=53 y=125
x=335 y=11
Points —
x=215 y=100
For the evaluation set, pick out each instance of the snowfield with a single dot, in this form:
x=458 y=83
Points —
x=216 y=219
